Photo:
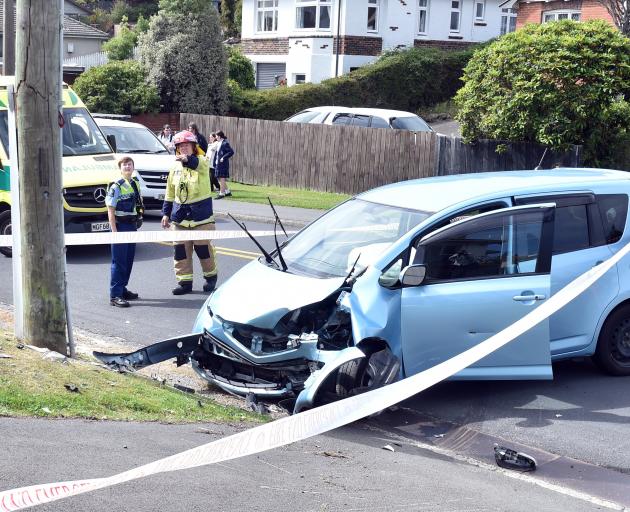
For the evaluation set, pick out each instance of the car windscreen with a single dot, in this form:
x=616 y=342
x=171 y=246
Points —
x=411 y=123
x=81 y=136
x=356 y=231
x=135 y=139
x=303 y=117
x=4 y=130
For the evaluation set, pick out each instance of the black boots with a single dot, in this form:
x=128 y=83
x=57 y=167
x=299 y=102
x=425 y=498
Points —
x=210 y=284
x=183 y=288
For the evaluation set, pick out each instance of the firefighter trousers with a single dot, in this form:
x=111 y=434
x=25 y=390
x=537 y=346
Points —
x=183 y=259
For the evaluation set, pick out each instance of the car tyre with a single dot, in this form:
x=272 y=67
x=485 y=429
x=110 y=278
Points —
x=612 y=354
x=5 y=229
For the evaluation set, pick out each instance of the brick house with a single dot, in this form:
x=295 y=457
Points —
x=540 y=11
x=311 y=40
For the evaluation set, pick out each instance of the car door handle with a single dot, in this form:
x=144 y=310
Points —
x=527 y=298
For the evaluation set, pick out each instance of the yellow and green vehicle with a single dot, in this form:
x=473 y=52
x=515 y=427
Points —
x=89 y=166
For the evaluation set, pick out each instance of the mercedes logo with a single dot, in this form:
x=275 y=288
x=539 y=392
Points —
x=99 y=195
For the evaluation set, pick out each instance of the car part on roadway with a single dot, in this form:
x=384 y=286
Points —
x=612 y=354
x=511 y=459
x=5 y=229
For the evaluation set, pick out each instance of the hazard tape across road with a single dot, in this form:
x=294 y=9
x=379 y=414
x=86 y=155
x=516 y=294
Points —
x=147 y=236
x=315 y=421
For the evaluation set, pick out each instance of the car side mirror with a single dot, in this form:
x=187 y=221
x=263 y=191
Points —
x=413 y=275
x=111 y=138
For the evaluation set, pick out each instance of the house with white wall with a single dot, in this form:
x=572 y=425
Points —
x=311 y=40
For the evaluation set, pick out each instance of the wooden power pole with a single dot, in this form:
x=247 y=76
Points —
x=39 y=118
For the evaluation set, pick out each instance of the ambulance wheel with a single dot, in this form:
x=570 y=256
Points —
x=5 y=229
x=612 y=354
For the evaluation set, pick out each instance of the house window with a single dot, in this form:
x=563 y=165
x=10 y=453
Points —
x=423 y=16
x=508 y=21
x=480 y=10
x=313 y=14
x=372 y=19
x=299 y=78
x=456 y=15
x=564 y=14
x=266 y=15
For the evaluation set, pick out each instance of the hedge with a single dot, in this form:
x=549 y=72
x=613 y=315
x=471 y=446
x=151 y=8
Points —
x=404 y=80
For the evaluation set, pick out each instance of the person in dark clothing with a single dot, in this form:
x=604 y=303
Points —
x=222 y=164
x=201 y=140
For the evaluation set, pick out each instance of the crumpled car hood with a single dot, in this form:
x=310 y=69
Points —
x=260 y=295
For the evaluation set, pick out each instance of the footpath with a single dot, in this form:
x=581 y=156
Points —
x=255 y=212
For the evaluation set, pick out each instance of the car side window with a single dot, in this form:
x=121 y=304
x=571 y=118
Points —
x=571 y=229
x=494 y=246
x=378 y=122
x=341 y=119
x=361 y=121
x=614 y=210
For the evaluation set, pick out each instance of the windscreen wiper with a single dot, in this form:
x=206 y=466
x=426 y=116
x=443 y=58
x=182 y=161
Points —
x=275 y=236
x=241 y=225
x=277 y=217
x=354 y=265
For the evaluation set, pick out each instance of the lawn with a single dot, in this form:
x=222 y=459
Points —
x=32 y=386
x=282 y=196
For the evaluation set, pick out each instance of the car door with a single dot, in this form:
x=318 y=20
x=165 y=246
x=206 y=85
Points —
x=579 y=244
x=483 y=274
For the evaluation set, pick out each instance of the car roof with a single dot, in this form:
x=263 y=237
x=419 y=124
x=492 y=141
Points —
x=383 y=112
x=435 y=194
x=103 y=121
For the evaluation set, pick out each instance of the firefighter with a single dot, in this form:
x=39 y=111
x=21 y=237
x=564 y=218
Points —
x=188 y=206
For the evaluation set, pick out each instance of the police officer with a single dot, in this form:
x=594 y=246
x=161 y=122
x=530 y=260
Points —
x=123 y=198
x=188 y=206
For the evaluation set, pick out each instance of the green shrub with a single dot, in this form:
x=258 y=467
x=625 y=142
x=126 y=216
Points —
x=121 y=47
x=556 y=83
x=118 y=87
x=405 y=80
x=240 y=69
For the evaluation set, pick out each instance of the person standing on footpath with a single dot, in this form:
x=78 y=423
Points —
x=213 y=144
x=201 y=140
x=166 y=137
x=222 y=164
x=123 y=210
x=188 y=206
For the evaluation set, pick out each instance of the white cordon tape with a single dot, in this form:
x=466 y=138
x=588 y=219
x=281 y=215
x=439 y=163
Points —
x=315 y=421
x=128 y=237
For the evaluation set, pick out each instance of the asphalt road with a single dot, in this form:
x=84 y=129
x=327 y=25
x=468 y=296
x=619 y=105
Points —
x=578 y=426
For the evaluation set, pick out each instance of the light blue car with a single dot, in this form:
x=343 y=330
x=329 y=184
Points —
x=405 y=276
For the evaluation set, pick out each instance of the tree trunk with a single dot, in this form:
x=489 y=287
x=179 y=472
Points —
x=38 y=93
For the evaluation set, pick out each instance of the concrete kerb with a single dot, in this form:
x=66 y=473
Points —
x=261 y=218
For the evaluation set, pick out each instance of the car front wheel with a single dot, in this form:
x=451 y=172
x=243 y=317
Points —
x=612 y=354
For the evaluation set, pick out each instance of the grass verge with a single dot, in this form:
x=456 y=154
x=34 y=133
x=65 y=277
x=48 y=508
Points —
x=32 y=386
x=282 y=196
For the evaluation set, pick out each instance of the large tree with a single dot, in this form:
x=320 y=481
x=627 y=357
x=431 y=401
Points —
x=620 y=12
x=184 y=57
x=557 y=84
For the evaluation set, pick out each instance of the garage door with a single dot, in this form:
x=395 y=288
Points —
x=268 y=74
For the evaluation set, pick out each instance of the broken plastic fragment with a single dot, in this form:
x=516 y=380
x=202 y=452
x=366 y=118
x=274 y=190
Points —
x=511 y=459
x=388 y=447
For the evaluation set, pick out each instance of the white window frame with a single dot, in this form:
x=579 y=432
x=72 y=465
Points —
x=457 y=11
x=423 y=9
x=318 y=4
x=508 y=15
x=374 y=4
x=262 y=8
x=481 y=3
x=559 y=12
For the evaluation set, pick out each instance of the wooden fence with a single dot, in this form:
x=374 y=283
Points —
x=351 y=159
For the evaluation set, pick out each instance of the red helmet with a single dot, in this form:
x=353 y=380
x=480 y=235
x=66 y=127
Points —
x=184 y=136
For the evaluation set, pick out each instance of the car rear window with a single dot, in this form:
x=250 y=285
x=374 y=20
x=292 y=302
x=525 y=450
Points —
x=412 y=123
